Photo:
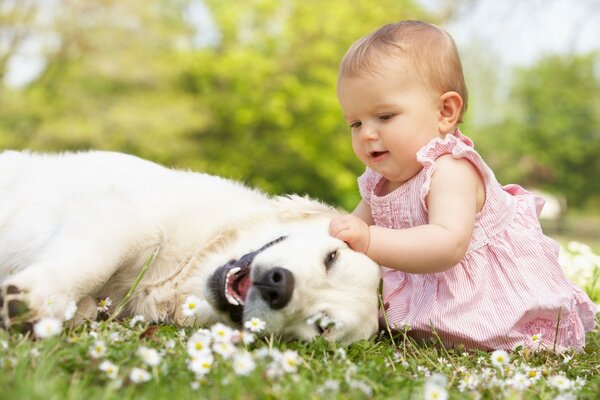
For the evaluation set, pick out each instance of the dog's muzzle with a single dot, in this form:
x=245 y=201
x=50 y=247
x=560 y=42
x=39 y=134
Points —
x=230 y=284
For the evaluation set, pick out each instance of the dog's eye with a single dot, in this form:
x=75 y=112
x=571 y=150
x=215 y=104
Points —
x=330 y=259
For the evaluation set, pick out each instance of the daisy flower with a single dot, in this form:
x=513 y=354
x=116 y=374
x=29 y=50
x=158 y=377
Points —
x=560 y=382
x=104 y=304
x=199 y=343
x=290 y=361
x=8 y=362
x=149 y=356
x=47 y=327
x=243 y=363
x=191 y=305
x=533 y=374
x=134 y=321
x=138 y=375
x=255 y=325
x=115 y=337
x=201 y=364
x=519 y=381
x=500 y=358
x=330 y=385
x=98 y=349
x=224 y=349
x=247 y=337
x=362 y=386
x=433 y=391
x=221 y=332
x=109 y=368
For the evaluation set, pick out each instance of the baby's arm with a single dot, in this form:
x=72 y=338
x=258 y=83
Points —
x=434 y=247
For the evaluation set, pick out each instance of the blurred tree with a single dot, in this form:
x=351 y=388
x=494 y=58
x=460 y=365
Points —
x=15 y=28
x=551 y=134
x=269 y=83
x=257 y=103
x=109 y=81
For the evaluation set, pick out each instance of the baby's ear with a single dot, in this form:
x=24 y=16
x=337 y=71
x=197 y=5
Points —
x=450 y=104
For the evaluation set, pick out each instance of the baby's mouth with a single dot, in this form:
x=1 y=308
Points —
x=377 y=154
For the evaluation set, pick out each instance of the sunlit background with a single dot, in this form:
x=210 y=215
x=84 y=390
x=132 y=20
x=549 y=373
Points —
x=246 y=89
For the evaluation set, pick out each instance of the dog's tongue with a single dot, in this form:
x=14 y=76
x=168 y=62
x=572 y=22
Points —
x=243 y=285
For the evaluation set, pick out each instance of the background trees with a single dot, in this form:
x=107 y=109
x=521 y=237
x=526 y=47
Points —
x=249 y=92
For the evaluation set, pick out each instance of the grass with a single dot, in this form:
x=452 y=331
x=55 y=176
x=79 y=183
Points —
x=71 y=364
x=62 y=367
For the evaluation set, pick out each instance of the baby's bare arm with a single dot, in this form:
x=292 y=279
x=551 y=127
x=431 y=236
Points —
x=452 y=205
x=434 y=247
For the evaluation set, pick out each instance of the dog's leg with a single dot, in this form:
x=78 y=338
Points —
x=69 y=270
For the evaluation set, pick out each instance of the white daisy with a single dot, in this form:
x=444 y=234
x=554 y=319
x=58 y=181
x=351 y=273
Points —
x=149 y=356
x=201 y=364
x=114 y=337
x=432 y=391
x=290 y=361
x=8 y=363
x=191 y=305
x=138 y=375
x=104 y=304
x=519 y=381
x=199 y=343
x=533 y=374
x=224 y=349
x=109 y=368
x=47 y=327
x=500 y=358
x=560 y=382
x=98 y=349
x=255 y=325
x=134 y=321
x=221 y=332
x=243 y=363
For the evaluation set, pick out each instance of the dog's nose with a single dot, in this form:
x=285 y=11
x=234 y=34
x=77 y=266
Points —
x=276 y=287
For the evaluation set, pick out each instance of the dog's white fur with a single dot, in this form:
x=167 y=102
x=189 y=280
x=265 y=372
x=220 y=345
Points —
x=80 y=226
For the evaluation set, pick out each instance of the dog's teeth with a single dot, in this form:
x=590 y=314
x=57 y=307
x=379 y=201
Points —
x=231 y=300
x=229 y=297
x=233 y=271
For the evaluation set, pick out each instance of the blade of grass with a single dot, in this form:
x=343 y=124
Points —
x=139 y=277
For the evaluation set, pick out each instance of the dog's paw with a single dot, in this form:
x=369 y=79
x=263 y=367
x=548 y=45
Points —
x=15 y=313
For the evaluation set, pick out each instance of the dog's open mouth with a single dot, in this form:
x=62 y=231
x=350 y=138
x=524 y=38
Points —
x=237 y=284
x=230 y=284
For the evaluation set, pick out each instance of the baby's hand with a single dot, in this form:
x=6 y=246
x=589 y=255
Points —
x=351 y=230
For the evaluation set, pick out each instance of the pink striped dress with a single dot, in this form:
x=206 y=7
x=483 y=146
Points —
x=508 y=287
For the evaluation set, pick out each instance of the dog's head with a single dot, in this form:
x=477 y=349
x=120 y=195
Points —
x=302 y=286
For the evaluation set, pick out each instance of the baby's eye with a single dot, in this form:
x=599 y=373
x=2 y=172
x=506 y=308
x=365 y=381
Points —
x=355 y=125
x=385 y=117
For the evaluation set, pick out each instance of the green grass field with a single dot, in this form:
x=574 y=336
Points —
x=135 y=360
x=70 y=366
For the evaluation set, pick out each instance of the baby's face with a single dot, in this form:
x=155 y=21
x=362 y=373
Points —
x=391 y=118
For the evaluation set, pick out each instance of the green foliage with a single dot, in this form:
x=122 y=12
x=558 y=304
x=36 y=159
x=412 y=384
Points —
x=551 y=136
x=258 y=104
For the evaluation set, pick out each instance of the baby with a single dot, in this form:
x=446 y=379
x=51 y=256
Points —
x=464 y=256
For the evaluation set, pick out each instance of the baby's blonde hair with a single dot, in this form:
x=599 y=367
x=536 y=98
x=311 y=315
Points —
x=424 y=46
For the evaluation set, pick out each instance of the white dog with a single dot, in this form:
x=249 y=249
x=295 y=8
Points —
x=79 y=227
